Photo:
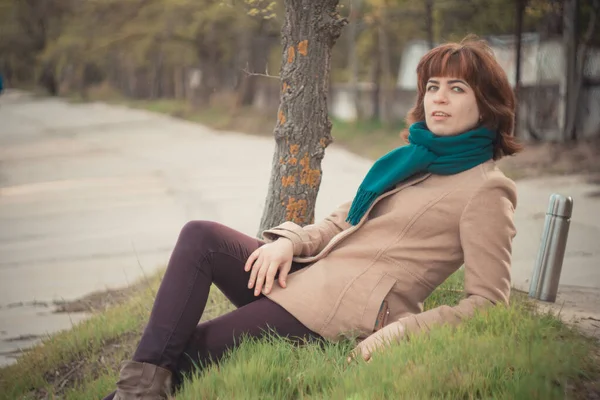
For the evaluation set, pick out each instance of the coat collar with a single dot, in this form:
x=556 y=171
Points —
x=410 y=181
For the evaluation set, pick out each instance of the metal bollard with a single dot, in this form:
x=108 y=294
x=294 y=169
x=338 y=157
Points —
x=548 y=265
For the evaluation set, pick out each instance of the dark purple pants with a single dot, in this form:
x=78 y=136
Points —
x=205 y=253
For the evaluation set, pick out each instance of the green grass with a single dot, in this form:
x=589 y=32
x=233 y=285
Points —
x=82 y=362
x=486 y=358
x=506 y=353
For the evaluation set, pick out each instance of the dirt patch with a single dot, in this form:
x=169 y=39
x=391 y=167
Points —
x=85 y=369
x=587 y=388
x=554 y=159
x=62 y=377
x=579 y=307
x=100 y=300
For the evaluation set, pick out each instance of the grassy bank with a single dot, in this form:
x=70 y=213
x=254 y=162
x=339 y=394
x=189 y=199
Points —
x=511 y=353
x=508 y=353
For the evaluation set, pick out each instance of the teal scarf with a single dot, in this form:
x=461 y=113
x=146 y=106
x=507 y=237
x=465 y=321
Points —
x=443 y=155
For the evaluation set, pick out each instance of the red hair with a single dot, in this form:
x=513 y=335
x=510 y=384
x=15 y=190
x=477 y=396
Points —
x=472 y=60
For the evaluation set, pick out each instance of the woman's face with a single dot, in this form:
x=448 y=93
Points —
x=450 y=106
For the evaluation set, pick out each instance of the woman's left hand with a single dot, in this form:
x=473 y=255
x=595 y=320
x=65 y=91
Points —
x=394 y=332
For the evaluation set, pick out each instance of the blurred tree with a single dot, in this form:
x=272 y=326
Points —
x=456 y=18
x=392 y=23
x=164 y=48
x=303 y=129
x=26 y=27
x=354 y=19
x=257 y=43
x=145 y=46
x=576 y=43
x=429 y=22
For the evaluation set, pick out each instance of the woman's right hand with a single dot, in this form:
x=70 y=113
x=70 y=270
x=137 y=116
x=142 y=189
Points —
x=266 y=261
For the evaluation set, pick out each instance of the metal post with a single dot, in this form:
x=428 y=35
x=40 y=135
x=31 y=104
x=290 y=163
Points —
x=546 y=273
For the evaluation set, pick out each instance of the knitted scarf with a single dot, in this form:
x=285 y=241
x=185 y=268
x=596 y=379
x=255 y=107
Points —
x=442 y=155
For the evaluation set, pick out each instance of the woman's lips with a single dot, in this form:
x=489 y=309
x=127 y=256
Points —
x=440 y=117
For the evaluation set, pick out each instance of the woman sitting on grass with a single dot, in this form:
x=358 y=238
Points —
x=421 y=212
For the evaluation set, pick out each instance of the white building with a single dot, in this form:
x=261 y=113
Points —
x=542 y=62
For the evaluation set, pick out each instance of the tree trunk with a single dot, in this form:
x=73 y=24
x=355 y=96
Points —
x=387 y=94
x=570 y=48
x=178 y=91
x=353 y=56
x=257 y=46
x=581 y=57
x=520 y=10
x=303 y=128
x=209 y=78
x=429 y=22
x=48 y=79
x=376 y=116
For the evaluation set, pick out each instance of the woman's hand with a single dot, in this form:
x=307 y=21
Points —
x=266 y=261
x=386 y=336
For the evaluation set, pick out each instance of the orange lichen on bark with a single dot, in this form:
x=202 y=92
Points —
x=296 y=210
x=291 y=55
x=309 y=176
x=323 y=142
x=293 y=161
x=303 y=47
x=281 y=117
x=288 y=180
x=294 y=149
x=285 y=87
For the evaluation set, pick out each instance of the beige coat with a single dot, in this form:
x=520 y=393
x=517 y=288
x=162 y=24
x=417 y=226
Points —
x=412 y=238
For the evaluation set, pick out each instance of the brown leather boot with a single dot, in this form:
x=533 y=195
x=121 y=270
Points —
x=143 y=381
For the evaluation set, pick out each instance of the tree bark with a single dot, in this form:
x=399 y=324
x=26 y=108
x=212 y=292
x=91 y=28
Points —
x=520 y=10
x=303 y=128
x=257 y=47
x=178 y=91
x=209 y=55
x=387 y=94
x=581 y=57
x=376 y=116
x=356 y=9
x=570 y=48
x=429 y=22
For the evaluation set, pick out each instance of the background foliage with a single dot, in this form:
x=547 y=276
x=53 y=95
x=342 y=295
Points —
x=142 y=46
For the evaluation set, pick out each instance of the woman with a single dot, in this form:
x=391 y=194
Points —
x=421 y=212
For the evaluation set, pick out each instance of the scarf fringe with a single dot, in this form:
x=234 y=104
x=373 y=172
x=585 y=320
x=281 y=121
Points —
x=360 y=205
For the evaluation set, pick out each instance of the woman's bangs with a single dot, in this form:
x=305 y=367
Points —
x=450 y=64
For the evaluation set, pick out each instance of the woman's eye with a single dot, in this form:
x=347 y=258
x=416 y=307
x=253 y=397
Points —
x=429 y=89
x=458 y=89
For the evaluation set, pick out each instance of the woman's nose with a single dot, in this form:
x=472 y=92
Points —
x=440 y=97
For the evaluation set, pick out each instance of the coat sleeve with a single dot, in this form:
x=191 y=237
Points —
x=486 y=233
x=311 y=239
